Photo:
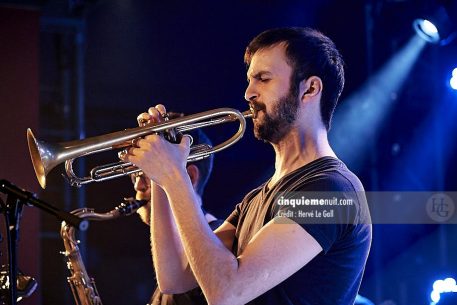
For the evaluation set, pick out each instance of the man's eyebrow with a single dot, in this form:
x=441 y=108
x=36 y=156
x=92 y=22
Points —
x=259 y=74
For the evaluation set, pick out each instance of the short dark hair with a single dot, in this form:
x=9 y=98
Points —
x=309 y=53
x=205 y=166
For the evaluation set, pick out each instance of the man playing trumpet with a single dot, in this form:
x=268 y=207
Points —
x=295 y=77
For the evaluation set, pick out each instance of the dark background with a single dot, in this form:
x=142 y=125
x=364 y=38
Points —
x=121 y=57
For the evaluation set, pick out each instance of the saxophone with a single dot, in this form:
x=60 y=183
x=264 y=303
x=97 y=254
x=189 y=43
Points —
x=82 y=286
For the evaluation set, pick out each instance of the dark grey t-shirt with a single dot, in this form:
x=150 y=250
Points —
x=334 y=275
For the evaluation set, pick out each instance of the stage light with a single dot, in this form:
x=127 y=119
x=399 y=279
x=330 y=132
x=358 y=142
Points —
x=426 y=30
x=435 y=296
x=440 y=287
x=450 y=285
x=453 y=80
x=438 y=28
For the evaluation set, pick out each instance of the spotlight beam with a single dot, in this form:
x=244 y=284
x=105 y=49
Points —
x=358 y=118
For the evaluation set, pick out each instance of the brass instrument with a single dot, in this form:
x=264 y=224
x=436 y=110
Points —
x=82 y=286
x=45 y=156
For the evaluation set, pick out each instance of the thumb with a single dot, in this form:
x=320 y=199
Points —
x=186 y=141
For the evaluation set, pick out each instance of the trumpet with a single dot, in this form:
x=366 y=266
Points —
x=46 y=156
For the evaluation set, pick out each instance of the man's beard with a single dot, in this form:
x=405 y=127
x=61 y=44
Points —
x=276 y=125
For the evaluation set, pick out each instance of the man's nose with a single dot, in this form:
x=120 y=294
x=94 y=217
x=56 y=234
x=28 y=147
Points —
x=251 y=93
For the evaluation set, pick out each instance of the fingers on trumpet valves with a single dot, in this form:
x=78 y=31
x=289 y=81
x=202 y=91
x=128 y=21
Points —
x=161 y=109
x=156 y=113
x=143 y=119
x=153 y=115
x=165 y=116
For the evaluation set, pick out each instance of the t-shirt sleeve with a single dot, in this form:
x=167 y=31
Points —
x=234 y=216
x=326 y=231
x=324 y=234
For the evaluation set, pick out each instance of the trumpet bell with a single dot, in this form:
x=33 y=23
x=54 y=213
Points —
x=43 y=157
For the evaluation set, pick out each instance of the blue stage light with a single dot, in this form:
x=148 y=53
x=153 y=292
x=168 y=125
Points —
x=427 y=30
x=440 y=287
x=453 y=80
x=437 y=27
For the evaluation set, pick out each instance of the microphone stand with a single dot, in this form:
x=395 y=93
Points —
x=12 y=209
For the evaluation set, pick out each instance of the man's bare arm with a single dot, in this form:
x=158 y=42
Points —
x=170 y=262
x=224 y=278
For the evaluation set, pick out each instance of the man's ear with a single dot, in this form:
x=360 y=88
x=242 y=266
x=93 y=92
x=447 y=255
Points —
x=310 y=87
x=194 y=174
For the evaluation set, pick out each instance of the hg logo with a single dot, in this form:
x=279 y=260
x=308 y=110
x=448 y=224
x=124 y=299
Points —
x=440 y=207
